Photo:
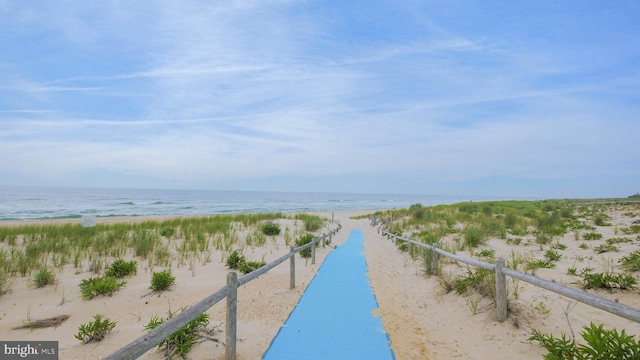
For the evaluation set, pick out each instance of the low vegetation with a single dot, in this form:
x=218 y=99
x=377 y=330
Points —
x=181 y=342
x=95 y=330
x=237 y=261
x=43 y=277
x=162 y=280
x=304 y=240
x=541 y=235
x=598 y=344
x=105 y=285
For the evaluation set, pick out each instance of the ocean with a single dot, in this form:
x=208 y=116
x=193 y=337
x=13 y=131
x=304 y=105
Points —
x=29 y=203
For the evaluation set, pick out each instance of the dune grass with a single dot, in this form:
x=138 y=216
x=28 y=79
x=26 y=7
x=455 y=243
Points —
x=27 y=249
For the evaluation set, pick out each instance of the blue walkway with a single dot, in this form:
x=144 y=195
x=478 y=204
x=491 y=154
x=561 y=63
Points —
x=333 y=319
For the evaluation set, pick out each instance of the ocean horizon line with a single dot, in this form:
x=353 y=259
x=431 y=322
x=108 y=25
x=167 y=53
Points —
x=40 y=203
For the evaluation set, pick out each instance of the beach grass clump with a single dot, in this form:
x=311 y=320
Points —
x=603 y=248
x=633 y=229
x=312 y=223
x=43 y=277
x=592 y=236
x=304 y=240
x=601 y=220
x=474 y=235
x=121 y=268
x=482 y=280
x=551 y=224
x=96 y=330
x=619 y=240
x=631 y=262
x=6 y=283
x=249 y=266
x=552 y=255
x=598 y=344
x=105 y=285
x=533 y=265
x=162 y=280
x=270 y=228
x=168 y=232
x=427 y=260
x=607 y=280
x=238 y=261
x=235 y=259
x=144 y=242
x=486 y=253
x=182 y=341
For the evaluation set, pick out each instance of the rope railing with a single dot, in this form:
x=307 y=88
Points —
x=144 y=343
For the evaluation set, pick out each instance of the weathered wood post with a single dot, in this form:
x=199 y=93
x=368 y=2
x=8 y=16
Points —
x=313 y=251
x=232 y=314
x=434 y=259
x=292 y=268
x=501 y=291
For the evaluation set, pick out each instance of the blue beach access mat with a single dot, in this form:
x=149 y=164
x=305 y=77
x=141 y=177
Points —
x=333 y=319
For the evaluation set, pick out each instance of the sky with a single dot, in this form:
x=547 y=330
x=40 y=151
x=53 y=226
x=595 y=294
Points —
x=492 y=98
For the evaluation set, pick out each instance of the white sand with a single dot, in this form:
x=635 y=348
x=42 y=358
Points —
x=422 y=321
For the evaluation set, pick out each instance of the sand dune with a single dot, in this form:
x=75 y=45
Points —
x=422 y=320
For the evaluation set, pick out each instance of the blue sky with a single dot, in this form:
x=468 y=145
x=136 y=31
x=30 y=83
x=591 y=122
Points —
x=517 y=98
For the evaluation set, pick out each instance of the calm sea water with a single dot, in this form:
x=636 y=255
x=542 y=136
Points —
x=25 y=203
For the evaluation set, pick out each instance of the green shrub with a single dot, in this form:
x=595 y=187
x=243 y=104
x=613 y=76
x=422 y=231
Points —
x=95 y=330
x=486 y=253
x=510 y=220
x=180 y=342
x=235 y=259
x=168 y=232
x=599 y=344
x=603 y=248
x=271 y=228
x=93 y=287
x=631 y=262
x=540 y=264
x=482 y=280
x=473 y=236
x=249 y=266
x=162 y=280
x=311 y=222
x=592 y=236
x=303 y=240
x=608 y=281
x=619 y=240
x=121 y=268
x=543 y=238
x=601 y=220
x=552 y=255
x=43 y=277
x=633 y=229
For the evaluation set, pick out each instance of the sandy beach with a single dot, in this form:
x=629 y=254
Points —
x=422 y=320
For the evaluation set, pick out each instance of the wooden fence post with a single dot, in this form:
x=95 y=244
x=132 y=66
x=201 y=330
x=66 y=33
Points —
x=232 y=314
x=292 y=268
x=434 y=259
x=313 y=252
x=501 y=291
